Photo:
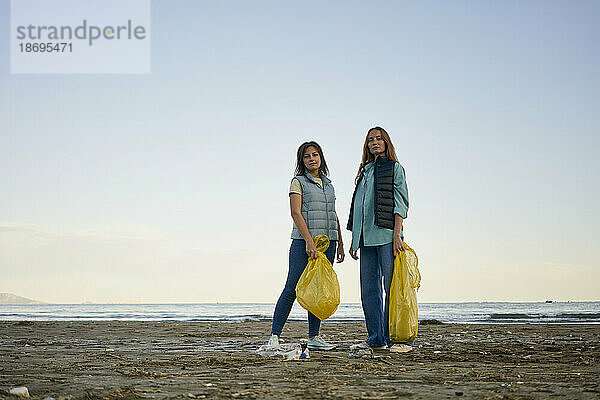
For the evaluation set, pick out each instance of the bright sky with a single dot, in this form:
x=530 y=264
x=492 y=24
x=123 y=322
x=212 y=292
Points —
x=172 y=186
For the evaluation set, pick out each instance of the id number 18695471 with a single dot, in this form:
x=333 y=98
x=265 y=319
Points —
x=46 y=47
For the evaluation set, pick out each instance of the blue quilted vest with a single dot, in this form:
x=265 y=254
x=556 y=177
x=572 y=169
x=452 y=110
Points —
x=318 y=207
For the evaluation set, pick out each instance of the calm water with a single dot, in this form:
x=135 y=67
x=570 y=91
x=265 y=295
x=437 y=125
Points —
x=571 y=312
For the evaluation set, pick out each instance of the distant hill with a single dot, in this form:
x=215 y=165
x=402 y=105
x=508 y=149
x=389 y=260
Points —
x=9 y=298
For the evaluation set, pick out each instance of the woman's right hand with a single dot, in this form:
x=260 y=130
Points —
x=353 y=253
x=311 y=249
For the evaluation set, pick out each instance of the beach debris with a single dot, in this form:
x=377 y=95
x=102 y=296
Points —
x=20 y=391
x=458 y=393
x=305 y=354
x=361 y=350
x=381 y=359
x=289 y=351
x=293 y=354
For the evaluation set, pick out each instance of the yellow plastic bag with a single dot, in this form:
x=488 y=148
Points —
x=404 y=313
x=318 y=289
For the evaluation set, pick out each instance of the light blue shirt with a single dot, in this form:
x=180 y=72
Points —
x=364 y=210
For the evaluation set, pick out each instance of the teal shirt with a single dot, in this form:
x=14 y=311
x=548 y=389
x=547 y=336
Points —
x=364 y=210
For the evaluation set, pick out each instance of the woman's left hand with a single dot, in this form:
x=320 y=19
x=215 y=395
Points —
x=340 y=253
x=398 y=245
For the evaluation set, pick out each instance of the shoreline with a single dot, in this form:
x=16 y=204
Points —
x=176 y=359
x=472 y=313
x=422 y=322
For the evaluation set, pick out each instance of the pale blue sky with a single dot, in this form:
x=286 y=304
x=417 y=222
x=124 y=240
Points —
x=172 y=186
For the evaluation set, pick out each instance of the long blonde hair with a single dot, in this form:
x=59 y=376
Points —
x=367 y=157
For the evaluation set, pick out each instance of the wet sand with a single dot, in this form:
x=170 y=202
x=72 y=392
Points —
x=139 y=360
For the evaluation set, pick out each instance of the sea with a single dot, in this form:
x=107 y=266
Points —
x=489 y=313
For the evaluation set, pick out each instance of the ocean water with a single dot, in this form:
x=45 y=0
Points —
x=558 y=312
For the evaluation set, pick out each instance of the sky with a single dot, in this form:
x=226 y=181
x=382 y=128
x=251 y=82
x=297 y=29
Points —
x=172 y=186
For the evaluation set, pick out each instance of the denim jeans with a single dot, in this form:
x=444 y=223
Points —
x=298 y=261
x=376 y=264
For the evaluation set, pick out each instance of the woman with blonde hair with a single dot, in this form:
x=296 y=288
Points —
x=378 y=209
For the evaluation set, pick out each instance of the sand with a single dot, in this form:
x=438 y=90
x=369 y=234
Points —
x=138 y=360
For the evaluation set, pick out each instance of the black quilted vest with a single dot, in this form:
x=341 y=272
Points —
x=384 y=194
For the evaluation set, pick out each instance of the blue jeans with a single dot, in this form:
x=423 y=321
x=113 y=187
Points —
x=376 y=264
x=298 y=261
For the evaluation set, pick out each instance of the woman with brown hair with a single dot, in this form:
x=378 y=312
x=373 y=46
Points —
x=312 y=206
x=379 y=206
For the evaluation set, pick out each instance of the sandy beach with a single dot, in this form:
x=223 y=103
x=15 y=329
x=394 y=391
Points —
x=138 y=360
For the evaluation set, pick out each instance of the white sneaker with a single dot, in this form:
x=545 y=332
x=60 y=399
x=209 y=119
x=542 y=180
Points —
x=273 y=341
x=365 y=345
x=400 y=348
x=317 y=343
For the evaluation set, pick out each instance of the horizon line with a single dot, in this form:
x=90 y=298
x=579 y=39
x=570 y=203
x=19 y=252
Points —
x=271 y=303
